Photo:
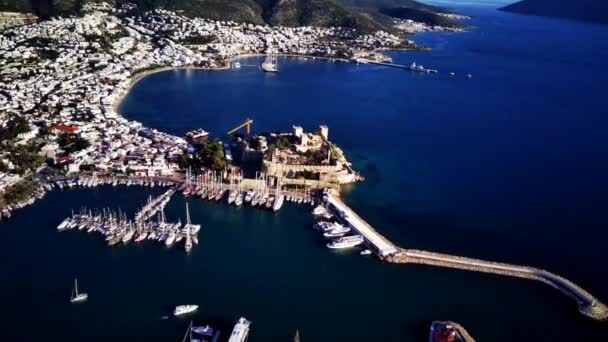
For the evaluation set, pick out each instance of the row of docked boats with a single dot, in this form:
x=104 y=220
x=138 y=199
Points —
x=118 y=230
x=94 y=180
x=334 y=231
x=261 y=196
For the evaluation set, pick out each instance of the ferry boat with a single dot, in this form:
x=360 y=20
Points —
x=346 y=242
x=240 y=331
x=270 y=64
x=78 y=297
x=184 y=309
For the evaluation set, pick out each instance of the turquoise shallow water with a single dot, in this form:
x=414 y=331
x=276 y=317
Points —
x=509 y=165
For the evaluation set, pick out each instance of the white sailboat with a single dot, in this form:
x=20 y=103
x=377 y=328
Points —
x=77 y=297
x=270 y=64
x=188 y=244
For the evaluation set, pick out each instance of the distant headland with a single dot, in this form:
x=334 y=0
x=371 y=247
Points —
x=583 y=10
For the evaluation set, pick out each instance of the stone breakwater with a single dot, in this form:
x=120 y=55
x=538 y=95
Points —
x=587 y=304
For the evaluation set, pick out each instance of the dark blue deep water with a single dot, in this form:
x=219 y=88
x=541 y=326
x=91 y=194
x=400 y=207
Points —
x=509 y=165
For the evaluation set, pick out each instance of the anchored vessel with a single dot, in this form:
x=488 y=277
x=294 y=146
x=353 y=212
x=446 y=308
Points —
x=184 y=309
x=270 y=64
x=78 y=297
x=346 y=242
x=240 y=331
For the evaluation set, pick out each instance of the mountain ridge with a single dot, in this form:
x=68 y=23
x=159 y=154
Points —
x=364 y=15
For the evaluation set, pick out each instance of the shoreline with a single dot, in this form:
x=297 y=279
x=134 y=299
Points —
x=140 y=75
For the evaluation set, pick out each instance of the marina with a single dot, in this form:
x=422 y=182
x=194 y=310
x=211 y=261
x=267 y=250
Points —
x=434 y=198
x=117 y=229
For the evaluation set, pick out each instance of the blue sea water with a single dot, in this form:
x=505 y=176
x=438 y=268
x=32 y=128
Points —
x=508 y=165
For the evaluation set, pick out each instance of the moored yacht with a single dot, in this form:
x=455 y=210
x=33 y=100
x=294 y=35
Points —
x=232 y=196
x=346 y=242
x=249 y=196
x=64 y=224
x=337 y=231
x=240 y=331
x=239 y=200
x=270 y=64
x=278 y=203
x=184 y=309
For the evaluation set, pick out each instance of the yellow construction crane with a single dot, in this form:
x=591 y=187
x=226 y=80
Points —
x=247 y=124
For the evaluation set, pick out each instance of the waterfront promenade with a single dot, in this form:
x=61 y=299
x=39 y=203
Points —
x=588 y=305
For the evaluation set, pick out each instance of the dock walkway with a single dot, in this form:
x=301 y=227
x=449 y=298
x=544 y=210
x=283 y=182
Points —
x=381 y=245
x=587 y=304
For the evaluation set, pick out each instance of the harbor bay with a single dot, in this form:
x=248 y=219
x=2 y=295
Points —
x=429 y=185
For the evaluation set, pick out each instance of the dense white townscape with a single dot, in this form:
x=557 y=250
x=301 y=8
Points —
x=66 y=75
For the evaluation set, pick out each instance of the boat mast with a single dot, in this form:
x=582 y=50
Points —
x=75 y=290
x=188 y=332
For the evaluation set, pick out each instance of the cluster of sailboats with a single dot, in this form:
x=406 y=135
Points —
x=261 y=195
x=335 y=231
x=117 y=229
x=94 y=180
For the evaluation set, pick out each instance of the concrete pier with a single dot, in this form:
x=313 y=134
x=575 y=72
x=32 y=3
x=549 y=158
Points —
x=378 y=243
x=387 y=251
x=587 y=304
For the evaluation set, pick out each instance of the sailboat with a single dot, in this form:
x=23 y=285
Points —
x=188 y=244
x=77 y=297
x=270 y=64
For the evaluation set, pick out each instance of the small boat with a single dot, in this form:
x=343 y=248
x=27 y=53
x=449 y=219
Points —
x=128 y=236
x=141 y=237
x=239 y=200
x=184 y=309
x=249 y=196
x=469 y=75
x=232 y=197
x=278 y=203
x=170 y=239
x=188 y=244
x=366 y=252
x=270 y=64
x=64 y=224
x=236 y=65
x=206 y=330
x=319 y=210
x=240 y=331
x=78 y=297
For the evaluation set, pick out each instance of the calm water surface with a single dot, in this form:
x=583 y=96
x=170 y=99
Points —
x=509 y=165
